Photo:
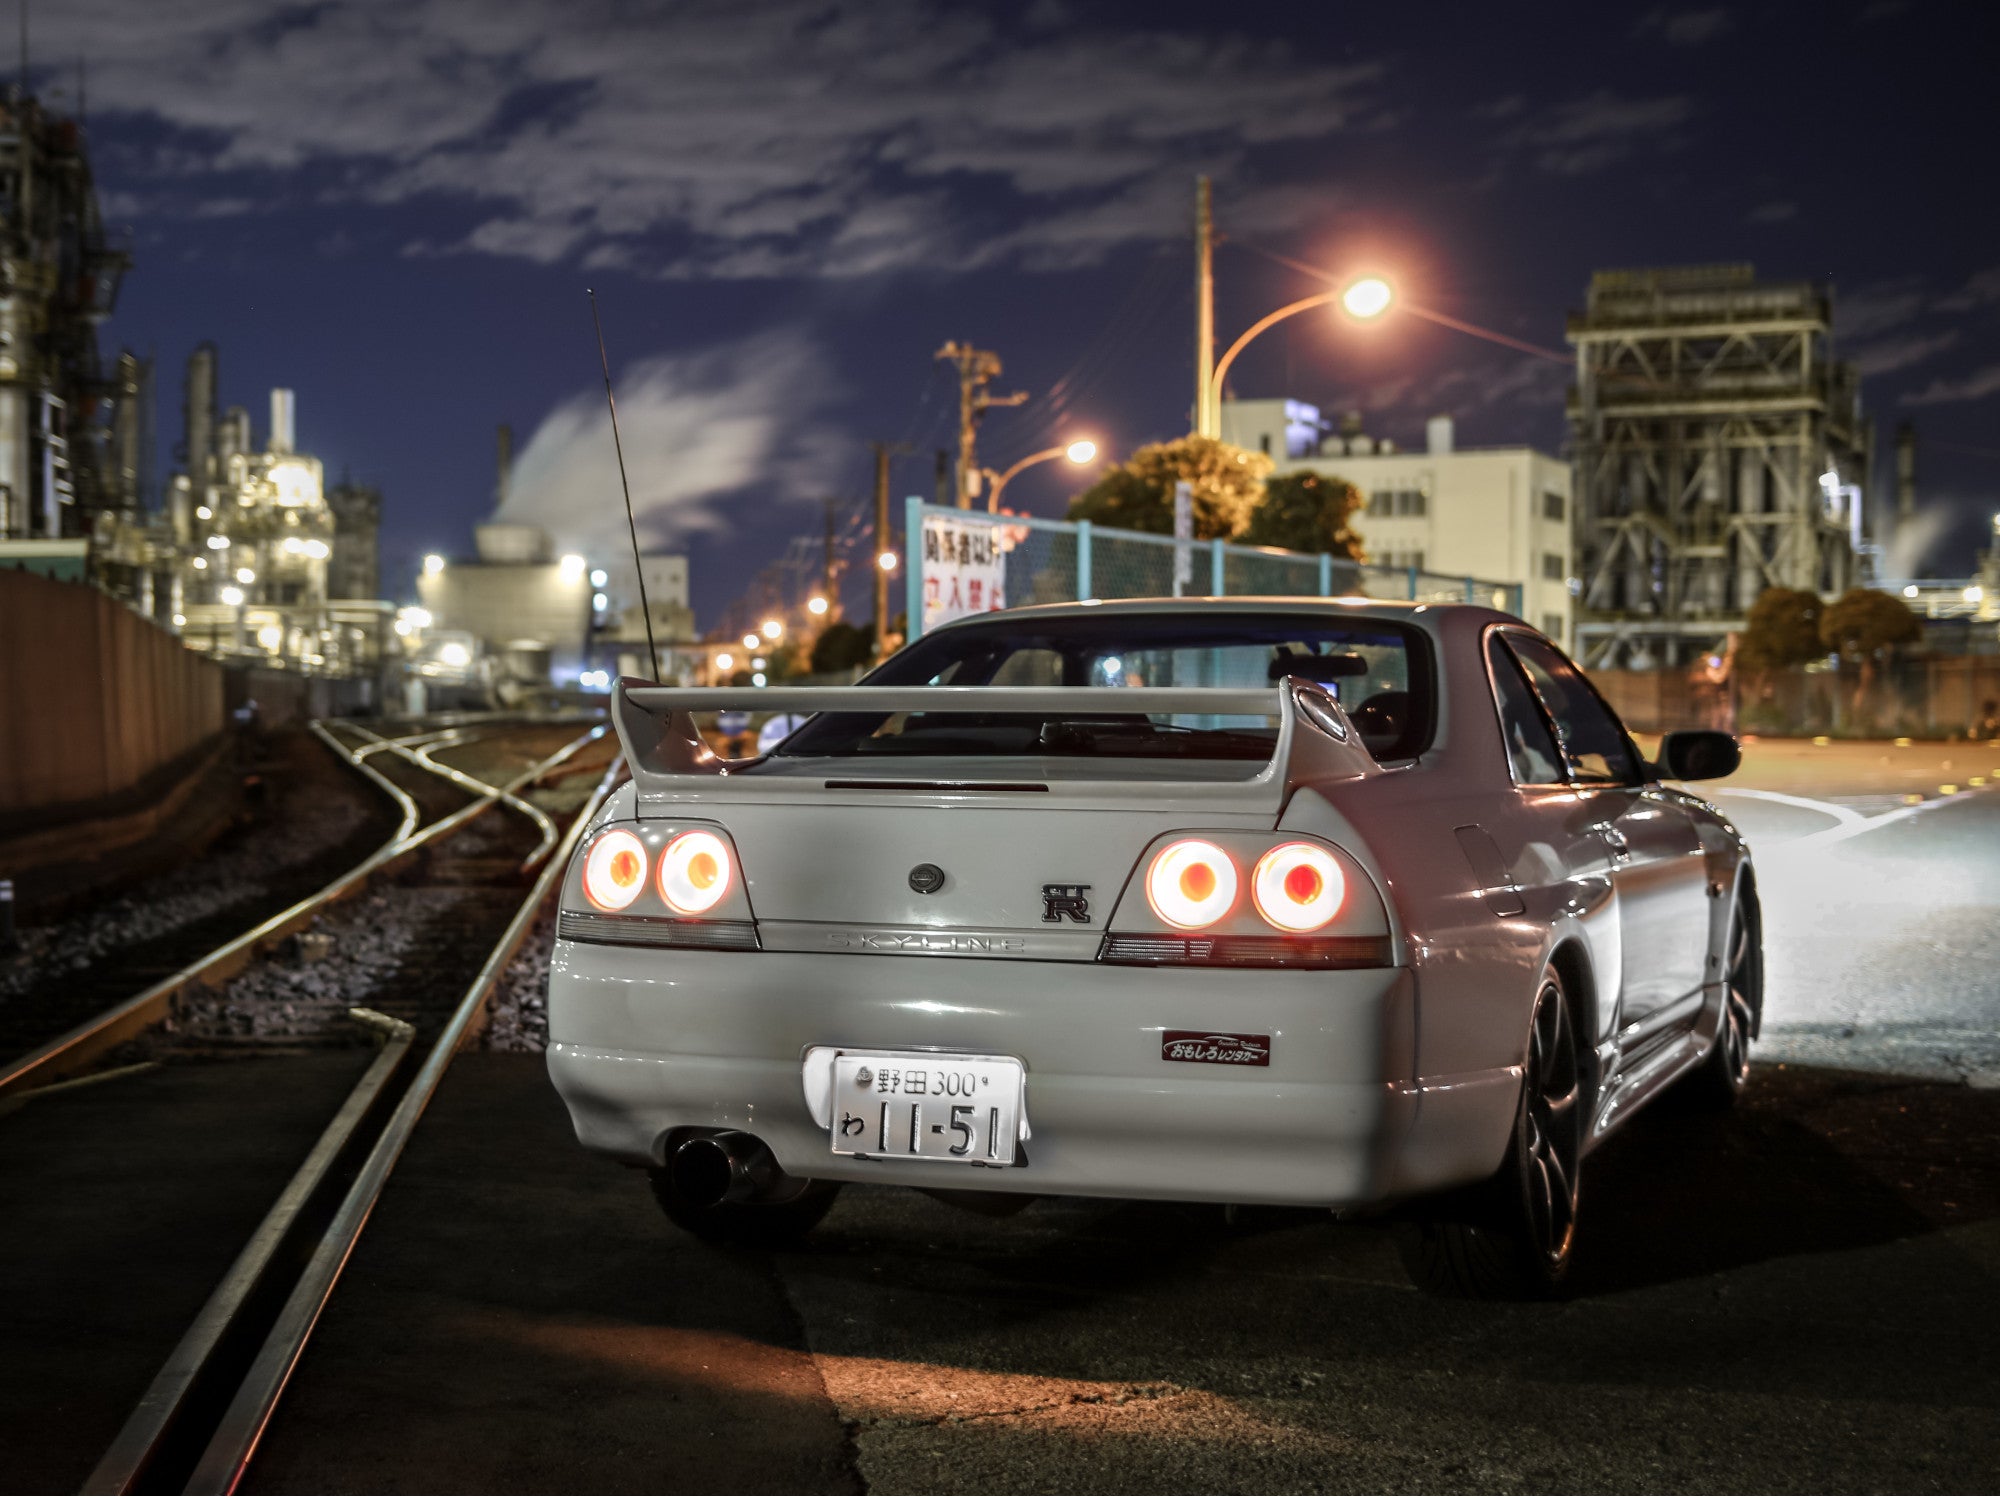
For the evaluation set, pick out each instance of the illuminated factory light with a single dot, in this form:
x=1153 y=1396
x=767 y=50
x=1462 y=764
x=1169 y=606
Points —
x=433 y=565
x=816 y=604
x=202 y=512
x=773 y=629
x=201 y=562
x=724 y=661
x=572 y=568
x=1909 y=591
x=232 y=595
x=757 y=679
x=404 y=627
x=217 y=543
x=318 y=550
x=271 y=637
x=246 y=575
x=419 y=618
x=751 y=641
x=453 y=654
x=599 y=602
x=598 y=578
x=180 y=619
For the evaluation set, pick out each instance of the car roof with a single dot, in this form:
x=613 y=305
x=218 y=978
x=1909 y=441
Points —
x=1424 y=614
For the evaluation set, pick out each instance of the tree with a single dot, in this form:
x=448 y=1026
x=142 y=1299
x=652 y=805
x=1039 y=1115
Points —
x=1138 y=494
x=1307 y=512
x=842 y=647
x=1783 y=630
x=1864 y=626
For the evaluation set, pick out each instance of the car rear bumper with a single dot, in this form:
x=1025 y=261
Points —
x=644 y=1042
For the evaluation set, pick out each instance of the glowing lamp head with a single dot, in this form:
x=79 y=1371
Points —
x=232 y=595
x=816 y=604
x=695 y=871
x=773 y=629
x=1297 y=887
x=572 y=568
x=433 y=565
x=752 y=641
x=886 y=562
x=1191 y=884
x=614 y=872
x=724 y=661
x=271 y=637
x=1081 y=452
x=1367 y=298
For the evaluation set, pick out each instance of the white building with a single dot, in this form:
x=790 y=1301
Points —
x=1501 y=514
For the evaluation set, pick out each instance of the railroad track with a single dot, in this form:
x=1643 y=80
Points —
x=198 y=1423
x=458 y=878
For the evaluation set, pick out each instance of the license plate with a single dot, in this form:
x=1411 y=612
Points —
x=927 y=1106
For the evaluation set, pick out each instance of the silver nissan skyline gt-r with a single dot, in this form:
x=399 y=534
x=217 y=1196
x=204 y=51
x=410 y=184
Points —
x=1258 y=901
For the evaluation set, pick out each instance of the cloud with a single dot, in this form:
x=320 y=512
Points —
x=1878 y=307
x=1900 y=354
x=698 y=429
x=1588 y=134
x=691 y=140
x=1984 y=381
x=1685 y=28
x=1772 y=213
x=1978 y=291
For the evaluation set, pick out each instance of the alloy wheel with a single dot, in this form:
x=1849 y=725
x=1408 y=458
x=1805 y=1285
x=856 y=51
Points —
x=1553 y=1137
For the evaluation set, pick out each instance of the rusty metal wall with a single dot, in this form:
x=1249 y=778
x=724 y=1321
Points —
x=93 y=699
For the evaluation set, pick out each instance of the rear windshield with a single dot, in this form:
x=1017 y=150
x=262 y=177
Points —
x=1381 y=671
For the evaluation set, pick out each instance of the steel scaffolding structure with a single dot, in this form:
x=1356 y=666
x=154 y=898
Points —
x=1719 y=451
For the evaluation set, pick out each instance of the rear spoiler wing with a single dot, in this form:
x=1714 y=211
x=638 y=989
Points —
x=671 y=763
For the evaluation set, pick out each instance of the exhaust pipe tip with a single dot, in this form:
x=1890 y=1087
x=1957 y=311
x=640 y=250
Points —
x=729 y=1166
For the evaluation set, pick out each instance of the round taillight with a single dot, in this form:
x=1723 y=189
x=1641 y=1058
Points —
x=1191 y=883
x=614 y=872
x=694 y=872
x=1297 y=887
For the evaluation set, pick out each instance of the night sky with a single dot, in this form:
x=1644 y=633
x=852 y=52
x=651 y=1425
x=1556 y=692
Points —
x=787 y=207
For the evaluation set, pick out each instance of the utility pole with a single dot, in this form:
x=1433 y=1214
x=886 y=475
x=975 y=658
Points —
x=884 y=542
x=976 y=369
x=830 y=586
x=1207 y=405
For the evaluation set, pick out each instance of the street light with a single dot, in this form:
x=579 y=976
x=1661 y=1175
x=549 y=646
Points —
x=752 y=641
x=1082 y=451
x=1366 y=299
x=886 y=562
x=773 y=629
x=817 y=604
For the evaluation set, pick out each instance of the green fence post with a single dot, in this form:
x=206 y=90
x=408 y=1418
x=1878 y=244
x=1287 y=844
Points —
x=1470 y=597
x=1216 y=584
x=913 y=571
x=1412 y=595
x=1083 y=559
x=1325 y=574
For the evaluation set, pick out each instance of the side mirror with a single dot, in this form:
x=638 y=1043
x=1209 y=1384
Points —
x=1698 y=755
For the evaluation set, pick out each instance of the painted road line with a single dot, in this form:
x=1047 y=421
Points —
x=1840 y=815
x=1868 y=825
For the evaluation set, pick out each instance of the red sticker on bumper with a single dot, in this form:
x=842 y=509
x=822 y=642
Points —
x=1234 y=1047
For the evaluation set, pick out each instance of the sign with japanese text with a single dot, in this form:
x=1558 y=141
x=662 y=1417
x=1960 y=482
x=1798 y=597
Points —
x=964 y=568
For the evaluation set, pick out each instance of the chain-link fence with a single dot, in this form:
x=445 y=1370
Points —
x=963 y=562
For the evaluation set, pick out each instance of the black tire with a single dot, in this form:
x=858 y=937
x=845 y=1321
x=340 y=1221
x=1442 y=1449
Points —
x=1512 y=1236
x=748 y=1226
x=1718 y=1082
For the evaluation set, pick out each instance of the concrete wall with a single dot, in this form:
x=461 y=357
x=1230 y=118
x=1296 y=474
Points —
x=93 y=699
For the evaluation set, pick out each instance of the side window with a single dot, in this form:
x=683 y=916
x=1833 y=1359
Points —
x=1531 y=750
x=1593 y=743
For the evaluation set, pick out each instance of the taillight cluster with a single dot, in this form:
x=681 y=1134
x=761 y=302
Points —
x=1192 y=884
x=695 y=870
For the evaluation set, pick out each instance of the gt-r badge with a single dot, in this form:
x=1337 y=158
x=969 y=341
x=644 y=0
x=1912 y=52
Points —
x=1059 y=901
x=1216 y=1047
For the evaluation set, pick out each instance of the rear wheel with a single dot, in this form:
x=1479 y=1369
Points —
x=1512 y=1236
x=1719 y=1081
x=762 y=1226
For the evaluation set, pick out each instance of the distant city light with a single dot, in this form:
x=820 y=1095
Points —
x=246 y=575
x=454 y=654
x=724 y=661
x=1082 y=451
x=404 y=627
x=600 y=603
x=417 y=617
x=572 y=568
x=271 y=637
x=1367 y=298
x=752 y=641
x=886 y=562
x=773 y=629
x=201 y=562
x=433 y=565
x=232 y=595
x=1909 y=591
x=757 y=664
x=202 y=512
x=816 y=604
x=318 y=550
x=217 y=543
x=180 y=619
x=598 y=578
x=757 y=679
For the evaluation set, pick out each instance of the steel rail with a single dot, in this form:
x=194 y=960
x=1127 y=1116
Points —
x=91 y=1039
x=411 y=815
x=145 y=1446
x=221 y=1466
x=420 y=754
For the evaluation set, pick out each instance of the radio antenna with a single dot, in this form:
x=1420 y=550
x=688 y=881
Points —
x=631 y=525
